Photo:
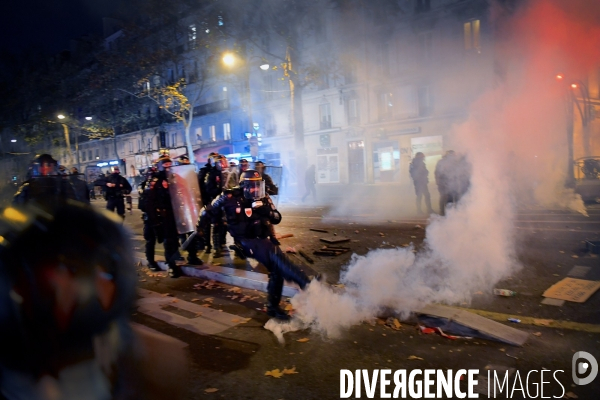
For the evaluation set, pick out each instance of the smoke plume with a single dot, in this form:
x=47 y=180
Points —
x=515 y=138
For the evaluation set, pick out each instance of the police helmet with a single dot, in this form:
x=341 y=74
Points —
x=244 y=165
x=163 y=163
x=252 y=184
x=183 y=160
x=259 y=166
x=43 y=165
x=78 y=283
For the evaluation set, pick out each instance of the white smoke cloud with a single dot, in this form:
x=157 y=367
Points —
x=515 y=139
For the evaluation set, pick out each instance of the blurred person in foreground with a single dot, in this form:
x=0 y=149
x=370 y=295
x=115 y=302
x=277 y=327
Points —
x=420 y=176
x=44 y=185
x=64 y=309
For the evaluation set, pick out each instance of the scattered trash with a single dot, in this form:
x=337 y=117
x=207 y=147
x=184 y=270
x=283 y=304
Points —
x=542 y=322
x=357 y=231
x=381 y=234
x=418 y=227
x=508 y=355
x=425 y=330
x=538 y=334
x=393 y=323
x=211 y=390
x=571 y=395
x=515 y=320
x=571 y=289
x=303 y=340
x=287 y=235
x=318 y=230
x=504 y=292
x=414 y=358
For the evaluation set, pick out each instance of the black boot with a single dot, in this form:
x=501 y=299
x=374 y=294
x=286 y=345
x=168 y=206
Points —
x=274 y=289
x=194 y=260
x=153 y=266
x=174 y=270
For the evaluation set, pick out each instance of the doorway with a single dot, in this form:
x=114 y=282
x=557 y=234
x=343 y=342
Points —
x=356 y=161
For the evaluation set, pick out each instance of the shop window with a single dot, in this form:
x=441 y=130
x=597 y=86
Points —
x=386 y=161
x=328 y=168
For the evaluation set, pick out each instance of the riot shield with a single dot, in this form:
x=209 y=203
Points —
x=276 y=174
x=185 y=197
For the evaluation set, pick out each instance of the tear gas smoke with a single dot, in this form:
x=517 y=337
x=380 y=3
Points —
x=515 y=139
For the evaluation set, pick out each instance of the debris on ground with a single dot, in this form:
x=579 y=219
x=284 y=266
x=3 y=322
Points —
x=211 y=390
x=306 y=257
x=504 y=292
x=514 y=320
x=334 y=239
x=331 y=251
x=393 y=323
x=290 y=250
x=414 y=358
x=318 y=230
x=287 y=235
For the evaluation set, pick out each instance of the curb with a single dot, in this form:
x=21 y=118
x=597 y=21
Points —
x=227 y=275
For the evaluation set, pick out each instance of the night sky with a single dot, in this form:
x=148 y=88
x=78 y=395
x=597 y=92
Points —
x=50 y=24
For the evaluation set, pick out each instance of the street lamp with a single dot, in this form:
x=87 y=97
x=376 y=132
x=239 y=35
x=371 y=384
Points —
x=67 y=138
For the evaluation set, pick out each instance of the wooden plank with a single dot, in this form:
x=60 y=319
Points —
x=335 y=239
x=486 y=326
x=318 y=230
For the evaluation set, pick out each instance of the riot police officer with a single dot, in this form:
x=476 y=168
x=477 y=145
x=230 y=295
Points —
x=270 y=187
x=214 y=187
x=160 y=214
x=249 y=212
x=116 y=189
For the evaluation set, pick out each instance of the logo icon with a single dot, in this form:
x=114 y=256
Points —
x=590 y=365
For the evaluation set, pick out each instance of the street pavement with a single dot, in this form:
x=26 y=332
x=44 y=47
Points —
x=230 y=350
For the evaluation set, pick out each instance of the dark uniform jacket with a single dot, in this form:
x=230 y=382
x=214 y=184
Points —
x=118 y=190
x=244 y=221
x=418 y=172
x=158 y=206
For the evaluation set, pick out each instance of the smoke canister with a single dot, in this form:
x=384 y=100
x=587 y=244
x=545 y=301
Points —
x=504 y=292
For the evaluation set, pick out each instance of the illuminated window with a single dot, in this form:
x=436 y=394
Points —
x=213 y=133
x=130 y=147
x=472 y=35
x=226 y=131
